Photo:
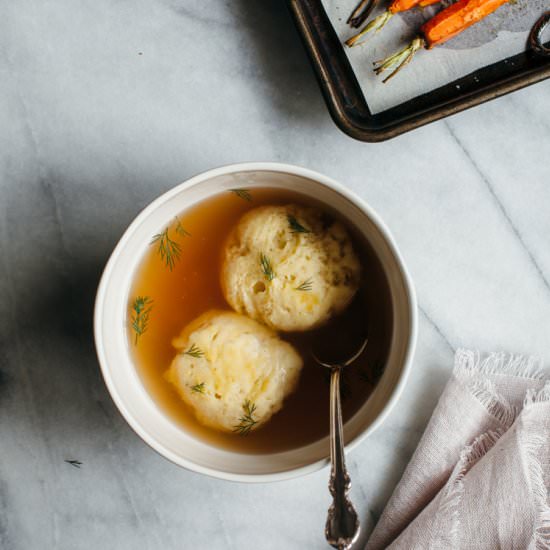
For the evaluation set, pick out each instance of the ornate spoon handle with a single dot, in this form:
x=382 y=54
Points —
x=342 y=527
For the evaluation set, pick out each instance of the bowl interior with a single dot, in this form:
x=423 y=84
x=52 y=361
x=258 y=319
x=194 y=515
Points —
x=125 y=384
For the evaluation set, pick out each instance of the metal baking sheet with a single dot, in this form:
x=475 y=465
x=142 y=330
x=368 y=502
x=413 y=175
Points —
x=348 y=100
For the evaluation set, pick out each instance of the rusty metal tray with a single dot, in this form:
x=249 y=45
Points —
x=347 y=104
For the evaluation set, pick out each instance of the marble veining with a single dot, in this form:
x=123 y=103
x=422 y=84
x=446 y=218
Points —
x=104 y=106
x=498 y=203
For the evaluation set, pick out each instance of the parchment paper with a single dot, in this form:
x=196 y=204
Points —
x=499 y=36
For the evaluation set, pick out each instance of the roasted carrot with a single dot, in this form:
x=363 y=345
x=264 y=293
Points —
x=457 y=18
x=377 y=23
x=404 y=5
x=360 y=13
x=440 y=28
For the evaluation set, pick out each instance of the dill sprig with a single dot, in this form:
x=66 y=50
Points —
x=267 y=269
x=180 y=230
x=142 y=307
x=365 y=376
x=243 y=194
x=194 y=351
x=306 y=286
x=371 y=374
x=169 y=250
x=198 y=388
x=75 y=463
x=246 y=421
x=296 y=226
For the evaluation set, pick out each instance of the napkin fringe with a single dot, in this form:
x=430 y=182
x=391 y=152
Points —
x=497 y=406
x=541 y=396
x=499 y=363
x=469 y=456
x=532 y=444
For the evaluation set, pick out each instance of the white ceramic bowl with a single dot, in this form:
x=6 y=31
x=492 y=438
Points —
x=125 y=386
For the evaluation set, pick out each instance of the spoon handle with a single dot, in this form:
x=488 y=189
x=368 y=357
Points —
x=342 y=526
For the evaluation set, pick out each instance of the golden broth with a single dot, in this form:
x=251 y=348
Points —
x=192 y=286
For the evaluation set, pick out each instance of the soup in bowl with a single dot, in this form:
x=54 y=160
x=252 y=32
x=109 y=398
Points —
x=210 y=306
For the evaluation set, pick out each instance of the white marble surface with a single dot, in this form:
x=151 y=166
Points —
x=105 y=104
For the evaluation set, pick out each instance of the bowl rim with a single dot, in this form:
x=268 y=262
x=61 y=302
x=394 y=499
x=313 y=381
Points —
x=167 y=196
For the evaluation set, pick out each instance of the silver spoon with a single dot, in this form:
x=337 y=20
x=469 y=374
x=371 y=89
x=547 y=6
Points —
x=342 y=527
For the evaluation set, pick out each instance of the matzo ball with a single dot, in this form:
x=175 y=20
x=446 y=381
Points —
x=287 y=268
x=232 y=371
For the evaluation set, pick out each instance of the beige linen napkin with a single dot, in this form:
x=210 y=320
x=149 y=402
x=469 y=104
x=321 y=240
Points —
x=480 y=476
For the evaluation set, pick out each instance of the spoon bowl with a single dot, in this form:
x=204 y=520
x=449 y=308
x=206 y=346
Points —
x=343 y=363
